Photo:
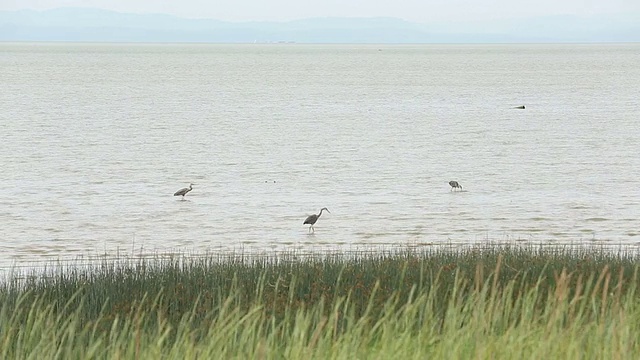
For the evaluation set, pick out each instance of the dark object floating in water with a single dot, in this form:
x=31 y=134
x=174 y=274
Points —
x=519 y=107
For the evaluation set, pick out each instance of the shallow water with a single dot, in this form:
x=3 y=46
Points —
x=98 y=137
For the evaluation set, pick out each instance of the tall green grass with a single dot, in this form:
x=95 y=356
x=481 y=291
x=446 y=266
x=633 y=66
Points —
x=474 y=302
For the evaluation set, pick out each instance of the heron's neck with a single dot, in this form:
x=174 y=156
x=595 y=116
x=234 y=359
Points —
x=321 y=210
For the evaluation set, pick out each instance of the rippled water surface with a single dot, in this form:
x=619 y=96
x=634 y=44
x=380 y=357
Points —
x=97 y=138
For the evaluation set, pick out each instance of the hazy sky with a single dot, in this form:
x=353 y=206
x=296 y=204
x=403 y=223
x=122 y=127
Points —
x=280 y=10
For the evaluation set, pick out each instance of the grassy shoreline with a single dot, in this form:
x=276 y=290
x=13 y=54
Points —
x=478 y=301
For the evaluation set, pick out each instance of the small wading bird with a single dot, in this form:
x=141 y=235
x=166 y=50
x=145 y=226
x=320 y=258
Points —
x=311 y=219
x=182 y=192
x=454 y=185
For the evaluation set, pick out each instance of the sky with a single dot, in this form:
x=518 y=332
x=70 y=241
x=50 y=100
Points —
x=422 y=11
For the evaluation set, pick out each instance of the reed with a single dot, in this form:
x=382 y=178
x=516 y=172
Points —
x=481 y=301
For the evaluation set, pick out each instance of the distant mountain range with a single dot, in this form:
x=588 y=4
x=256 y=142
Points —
x=96 y=25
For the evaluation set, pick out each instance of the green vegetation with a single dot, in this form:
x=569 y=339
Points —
x=475 y=302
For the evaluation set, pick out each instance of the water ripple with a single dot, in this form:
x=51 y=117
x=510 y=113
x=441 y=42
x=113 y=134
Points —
x=91 y=165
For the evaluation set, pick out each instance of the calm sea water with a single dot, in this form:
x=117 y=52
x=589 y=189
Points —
x=96 y=138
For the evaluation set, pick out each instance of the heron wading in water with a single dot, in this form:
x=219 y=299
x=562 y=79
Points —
x=182 y=192
x=455 y=185
x=311 y=219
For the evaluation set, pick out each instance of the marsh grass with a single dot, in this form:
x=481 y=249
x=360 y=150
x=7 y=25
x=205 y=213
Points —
x=484 y=302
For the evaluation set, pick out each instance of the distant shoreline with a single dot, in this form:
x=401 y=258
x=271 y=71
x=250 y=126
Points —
x=91 y=24
x=159 y=43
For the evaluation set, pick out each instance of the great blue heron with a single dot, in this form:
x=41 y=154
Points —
x=182 y=192
x=311 y=219
x=454 y=185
